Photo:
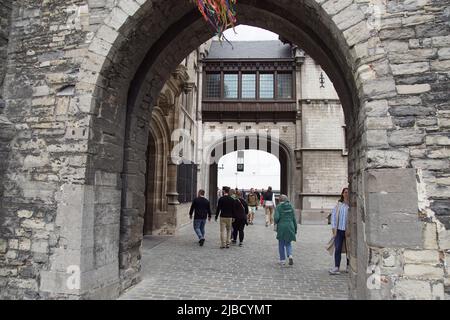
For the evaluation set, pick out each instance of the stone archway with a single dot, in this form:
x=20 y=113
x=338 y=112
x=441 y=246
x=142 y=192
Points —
x=231 y=143
x=74 y=174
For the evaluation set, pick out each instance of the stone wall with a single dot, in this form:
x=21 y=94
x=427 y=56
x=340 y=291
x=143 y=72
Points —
x=5 y=13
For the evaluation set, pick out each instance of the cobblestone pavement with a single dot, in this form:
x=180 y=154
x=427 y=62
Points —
x=178 y=268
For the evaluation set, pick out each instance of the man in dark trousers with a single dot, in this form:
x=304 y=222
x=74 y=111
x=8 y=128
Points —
x=226 y=208
x=202 y=210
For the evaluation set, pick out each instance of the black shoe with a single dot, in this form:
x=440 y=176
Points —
x=202 y=241
x=228 y=246
x=233 y=241
x=240 y=244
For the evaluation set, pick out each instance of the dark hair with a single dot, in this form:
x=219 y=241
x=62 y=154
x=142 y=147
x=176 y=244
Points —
x=201 y=192
x=226 y=189
x=342 y=195
x=269 y=189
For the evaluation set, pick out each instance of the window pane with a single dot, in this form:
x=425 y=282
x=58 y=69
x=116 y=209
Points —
x=249 y=86
x=230 y=82
x=284 y=85
x=213 y=85
x=266 y=86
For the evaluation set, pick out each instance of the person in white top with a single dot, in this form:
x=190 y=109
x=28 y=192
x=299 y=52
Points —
x=339 y=219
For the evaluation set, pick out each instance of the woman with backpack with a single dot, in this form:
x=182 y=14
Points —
x=240 y=218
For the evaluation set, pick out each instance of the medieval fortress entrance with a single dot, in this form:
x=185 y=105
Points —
x=78 y=85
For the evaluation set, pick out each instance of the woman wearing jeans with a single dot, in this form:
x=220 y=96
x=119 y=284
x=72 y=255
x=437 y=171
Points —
x=339 y=218
x=286 y=229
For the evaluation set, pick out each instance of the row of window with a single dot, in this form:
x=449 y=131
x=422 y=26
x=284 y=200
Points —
x=249 y=86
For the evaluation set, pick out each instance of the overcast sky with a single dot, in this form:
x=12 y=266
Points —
x=248 y=33
x=261 y=170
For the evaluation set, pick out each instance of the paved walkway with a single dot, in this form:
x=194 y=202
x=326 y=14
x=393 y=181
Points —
x=177 y=268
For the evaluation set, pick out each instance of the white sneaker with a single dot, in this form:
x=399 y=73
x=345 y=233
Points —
x=291 y=261
x=282 y=263
x=335 y=270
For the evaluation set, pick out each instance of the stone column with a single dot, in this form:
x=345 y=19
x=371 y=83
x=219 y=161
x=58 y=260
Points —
x=172 y=198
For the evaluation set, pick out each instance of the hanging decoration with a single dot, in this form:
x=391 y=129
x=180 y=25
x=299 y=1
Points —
x=220 y=14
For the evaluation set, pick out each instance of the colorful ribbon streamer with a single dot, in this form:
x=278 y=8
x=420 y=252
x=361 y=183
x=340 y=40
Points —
x=221 y=14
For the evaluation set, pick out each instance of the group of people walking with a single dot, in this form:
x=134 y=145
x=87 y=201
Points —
x=236 y=212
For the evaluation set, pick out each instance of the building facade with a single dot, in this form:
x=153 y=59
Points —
x=271 y=96
x=171 y=155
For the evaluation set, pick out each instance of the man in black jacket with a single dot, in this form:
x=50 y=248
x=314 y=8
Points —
x=226 y=208
x=202 y=210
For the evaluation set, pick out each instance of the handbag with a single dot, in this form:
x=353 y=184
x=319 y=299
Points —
x=330 y=246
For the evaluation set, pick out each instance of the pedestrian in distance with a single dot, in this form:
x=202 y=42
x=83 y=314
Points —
x=240 y=218
x=286 y=227
x=258 y=195
x=340 y=229
x=253 y=202
x=226 y=210
x=202 y=210
x=261 y=199
x=269 y=206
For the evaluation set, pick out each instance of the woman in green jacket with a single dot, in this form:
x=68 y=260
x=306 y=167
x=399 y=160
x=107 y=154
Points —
x=286 y=229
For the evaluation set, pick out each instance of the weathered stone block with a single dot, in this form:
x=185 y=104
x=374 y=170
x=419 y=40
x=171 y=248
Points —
x=430 y=236
x=106 y=179
x=413 y=89
x=387 y=159
x=444 y=53
x=406 y=137
x=379 y=88
x=441 y=140
x=392 y=209
x=410 y=68
x=33 y=224
x=377 y=138
x=402 y=111
x=356 y=34
x=24 y=244
x=420 y=271
x=421 y=256
x=443 y=238
x=440 y=66
x=3 y=245
x=412 y=289
x=377 y=123
x=430 y=164
x=377 y=108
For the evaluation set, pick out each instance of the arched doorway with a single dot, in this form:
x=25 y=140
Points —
x=232 y=143
x=122 y=70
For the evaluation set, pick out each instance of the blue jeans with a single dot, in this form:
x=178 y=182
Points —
x=338 y=243
x=284 y=247
x=199 y=227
